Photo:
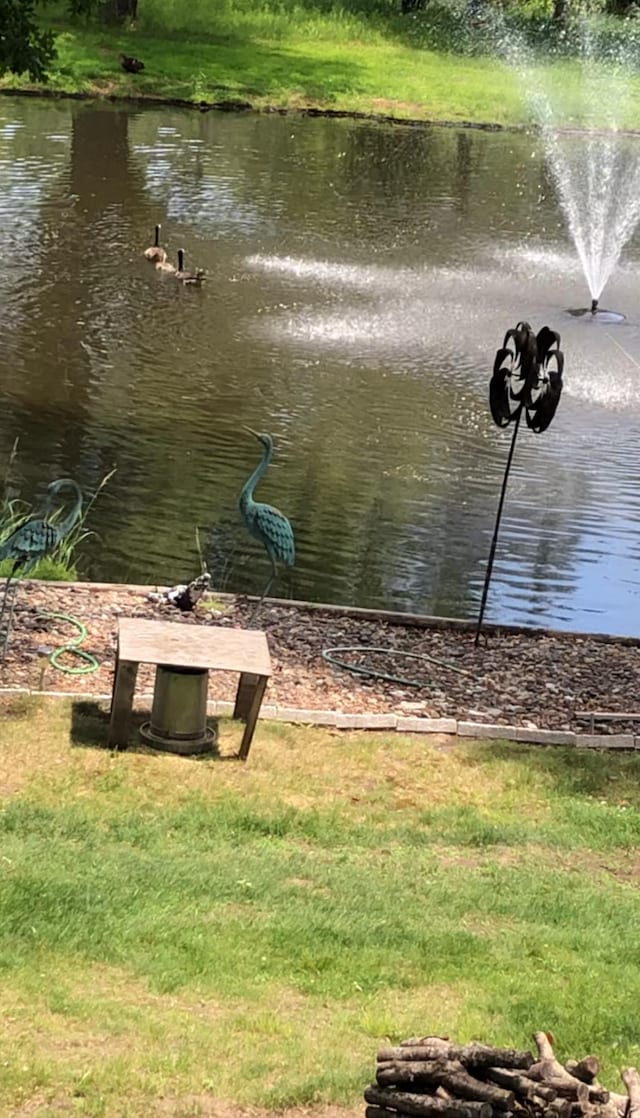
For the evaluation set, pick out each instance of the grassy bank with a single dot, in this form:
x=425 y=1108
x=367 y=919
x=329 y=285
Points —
x=175 y=930
x=377 y=78
x=301 y=57
x=296 y=56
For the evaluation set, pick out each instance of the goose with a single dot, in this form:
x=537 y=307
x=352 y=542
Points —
x=130 y=64
x=194 y=278
x=155 y=251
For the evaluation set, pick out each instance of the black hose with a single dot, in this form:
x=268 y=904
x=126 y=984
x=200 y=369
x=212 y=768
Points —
x=359 y=669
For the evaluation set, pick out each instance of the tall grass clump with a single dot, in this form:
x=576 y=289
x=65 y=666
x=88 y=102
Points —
x=269 y=20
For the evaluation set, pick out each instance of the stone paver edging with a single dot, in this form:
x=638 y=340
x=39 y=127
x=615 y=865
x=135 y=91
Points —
x=402 y=724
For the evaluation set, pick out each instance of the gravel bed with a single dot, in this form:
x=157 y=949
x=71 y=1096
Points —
x=523 y=679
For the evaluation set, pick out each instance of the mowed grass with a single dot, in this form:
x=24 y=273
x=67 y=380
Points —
x=176 y=931
x=376 y=78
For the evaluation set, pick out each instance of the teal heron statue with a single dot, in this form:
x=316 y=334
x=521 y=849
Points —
x=265 y=522
x=36 y=538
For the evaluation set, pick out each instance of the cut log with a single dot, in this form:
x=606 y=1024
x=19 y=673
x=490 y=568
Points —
x=585 y=1109
x=524 y=1087
x=408 y=1071
x=559 y=1108
x=426 y=1073
x=470 y=1055
x=425 y=1106
x=586 y=1069
x=442 y=1073
x=466 y=1086
x=568 y=1088
x=418 y=1040
x=442 y=1093
x=549 y=1070
x=631 y=1080
x=414 y=1052
x=620 y=1102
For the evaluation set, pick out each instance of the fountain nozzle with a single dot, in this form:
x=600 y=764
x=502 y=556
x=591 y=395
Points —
x=595 y=313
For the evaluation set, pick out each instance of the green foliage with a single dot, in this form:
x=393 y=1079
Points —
x=24 y=47
x=60 y=565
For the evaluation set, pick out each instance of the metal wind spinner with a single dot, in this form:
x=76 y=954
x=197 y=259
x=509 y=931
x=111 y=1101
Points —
x=527 y=377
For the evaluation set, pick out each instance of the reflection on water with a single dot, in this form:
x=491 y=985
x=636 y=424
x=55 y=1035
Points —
x=360 y=279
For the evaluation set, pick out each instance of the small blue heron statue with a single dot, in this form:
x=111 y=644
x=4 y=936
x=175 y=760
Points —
x=34 y=539
x=265 y=522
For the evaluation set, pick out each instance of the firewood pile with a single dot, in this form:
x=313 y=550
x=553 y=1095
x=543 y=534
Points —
x=427 y=1077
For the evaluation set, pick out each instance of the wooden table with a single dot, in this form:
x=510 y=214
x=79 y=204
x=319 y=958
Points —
x=173 y=644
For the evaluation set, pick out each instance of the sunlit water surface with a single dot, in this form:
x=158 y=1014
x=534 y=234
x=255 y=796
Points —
x=360 y=279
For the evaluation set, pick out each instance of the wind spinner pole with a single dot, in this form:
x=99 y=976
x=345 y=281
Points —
x=494 y=541
x=527 y=377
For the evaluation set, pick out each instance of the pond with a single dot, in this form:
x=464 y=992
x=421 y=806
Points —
x=360 y=277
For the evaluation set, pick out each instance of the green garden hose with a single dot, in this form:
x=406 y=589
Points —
x=72 y=647
x=359 y=669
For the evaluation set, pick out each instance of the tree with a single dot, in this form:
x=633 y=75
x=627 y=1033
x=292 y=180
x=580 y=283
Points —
x=24 y=47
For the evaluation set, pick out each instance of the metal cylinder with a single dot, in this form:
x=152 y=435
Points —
x=179 y=712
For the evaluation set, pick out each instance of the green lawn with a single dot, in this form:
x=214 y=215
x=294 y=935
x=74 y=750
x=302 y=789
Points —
x=294 y=57
x=374 y=78
x=172 y=929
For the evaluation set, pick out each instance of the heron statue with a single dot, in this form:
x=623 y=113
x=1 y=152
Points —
x=265 y=522
x=36 y=538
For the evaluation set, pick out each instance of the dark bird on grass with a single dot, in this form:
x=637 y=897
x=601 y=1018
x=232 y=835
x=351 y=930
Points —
x=155 y=252
x=188 y=278
x=265 y=522
x=527 y=373
x=131 y=65
x=38 y=537
x=184 y=597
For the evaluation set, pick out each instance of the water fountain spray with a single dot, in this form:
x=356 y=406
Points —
x=527 y=377
x=594 y=164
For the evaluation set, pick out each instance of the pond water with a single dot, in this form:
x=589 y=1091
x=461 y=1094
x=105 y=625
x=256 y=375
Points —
x=360 y=279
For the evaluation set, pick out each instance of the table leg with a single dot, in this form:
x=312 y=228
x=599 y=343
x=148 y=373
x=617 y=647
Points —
x=246 y=688
x=124 y=685
x=251 y=716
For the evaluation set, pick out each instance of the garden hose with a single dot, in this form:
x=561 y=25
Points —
x=372 y=673
x=72 y=647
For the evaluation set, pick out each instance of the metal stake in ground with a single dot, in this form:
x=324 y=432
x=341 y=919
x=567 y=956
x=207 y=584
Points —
x=527 y=376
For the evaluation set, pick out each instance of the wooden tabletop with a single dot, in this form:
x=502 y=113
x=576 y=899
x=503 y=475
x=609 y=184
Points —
x=193 y=646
